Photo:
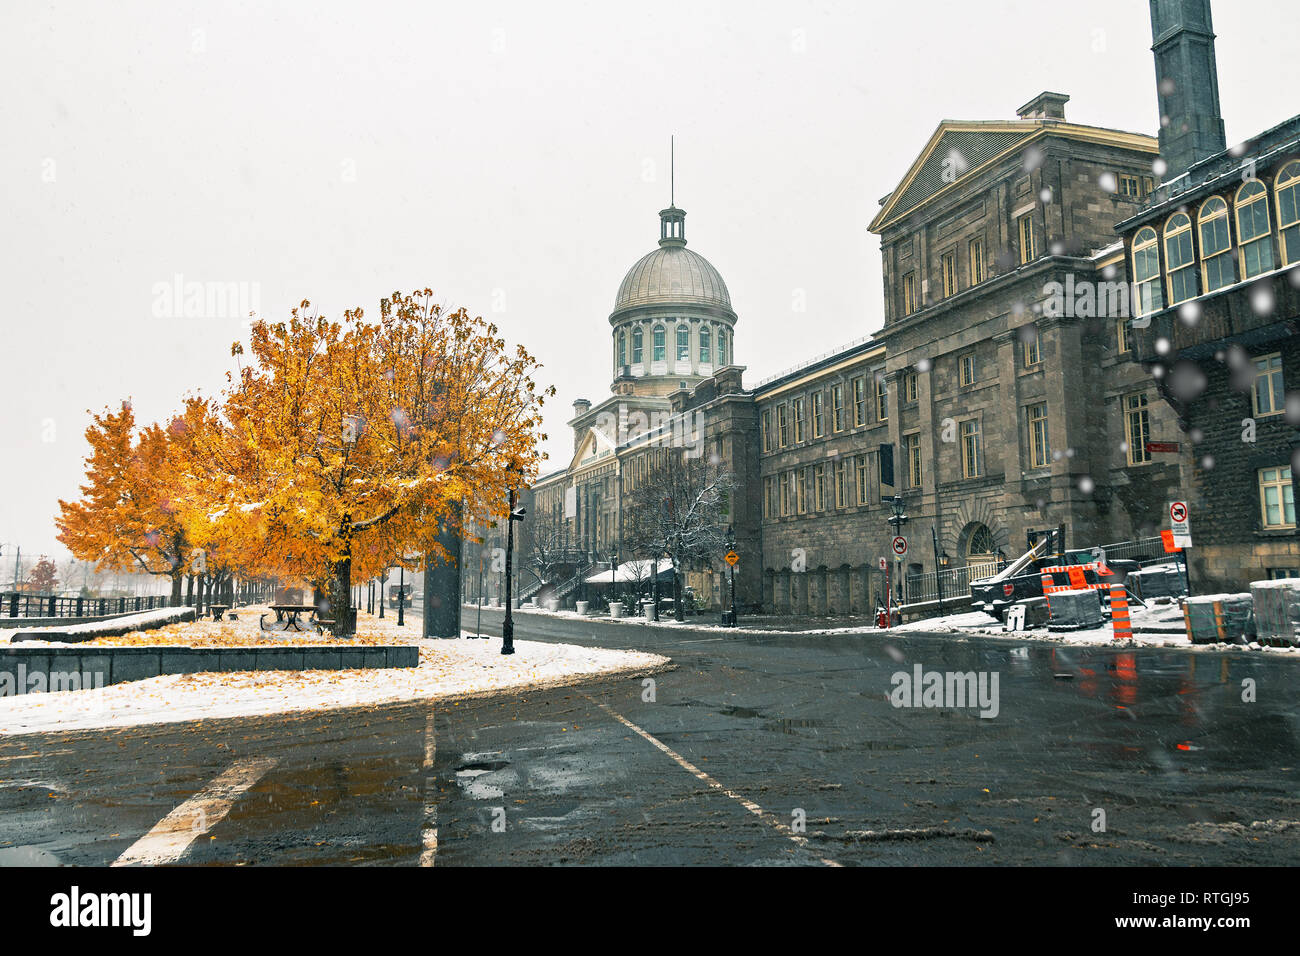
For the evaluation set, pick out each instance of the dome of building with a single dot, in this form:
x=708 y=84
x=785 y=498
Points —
x=672 y=274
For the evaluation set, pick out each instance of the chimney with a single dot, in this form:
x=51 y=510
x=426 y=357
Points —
x=1044 y=106
x=1187 y=83
x=580 y=407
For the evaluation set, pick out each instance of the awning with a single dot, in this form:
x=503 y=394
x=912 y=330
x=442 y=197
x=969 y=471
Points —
x=631 y=572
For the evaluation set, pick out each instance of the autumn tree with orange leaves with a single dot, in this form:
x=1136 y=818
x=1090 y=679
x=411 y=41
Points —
x=350 y=442
x=133 y=511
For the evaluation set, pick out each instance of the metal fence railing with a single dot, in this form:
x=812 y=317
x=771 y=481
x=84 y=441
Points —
x=17 y=604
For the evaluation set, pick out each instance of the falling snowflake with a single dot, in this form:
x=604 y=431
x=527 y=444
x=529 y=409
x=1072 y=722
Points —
x=1293 y=409
x=1087 y=485
x=1207 y=462
x=1187 y=381
x=1033 y=159
x=1045 y=195
x=1162 y=346
x=1160 y=167
x=1057 y=248
x=1190 y=312
x=1108 y=182
x=923 y=365
x=1196 y=435
x=1262 y=300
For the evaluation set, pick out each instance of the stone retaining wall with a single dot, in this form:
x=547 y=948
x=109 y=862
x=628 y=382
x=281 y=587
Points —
x=36 y=669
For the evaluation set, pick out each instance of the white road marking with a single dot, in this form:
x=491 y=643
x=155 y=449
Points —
x=173 y=834
x=769 y=818
x=429 y=835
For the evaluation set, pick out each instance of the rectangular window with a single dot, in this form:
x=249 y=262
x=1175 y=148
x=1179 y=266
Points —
x=1130 y=187
x=767 y=429
x=1278 y=574
x=1029 y=347
x=842 y=483
x=909 y=293
x=976 y=261
x=1269 y=396
x=818 y=413
x=1025 y=229
x=910 y=387
x=948 y=269
x=798 y=420
x=787 y=483
x=769 y=498
x=1121 y=336
x=683 y=343
x=966 y=369
x=859 y=401
x=863 y=477
x=660 y=352
x=882 y=399
x=782 y=425
x=819 y=488
x=1137 y=429
x=706 y=346
x=637 y=350
x=1277 y=497
x=971 y=456
x=912 y=458
x=801 y=489
x=1040 y=453
x=837 y=407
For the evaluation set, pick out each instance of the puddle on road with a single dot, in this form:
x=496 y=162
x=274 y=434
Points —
x=790 y=725
x=745 y=712
x=26 y=856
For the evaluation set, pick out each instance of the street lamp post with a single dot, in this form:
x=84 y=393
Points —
x=731 y=576
x=508 y=627
x=896 y=521
x=401 y=595
x=940 y=563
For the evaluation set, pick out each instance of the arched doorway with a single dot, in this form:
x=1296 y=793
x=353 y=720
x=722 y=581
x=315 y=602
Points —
x=981 y=552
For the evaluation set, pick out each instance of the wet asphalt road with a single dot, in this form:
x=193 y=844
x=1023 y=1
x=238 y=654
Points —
x=743 y=740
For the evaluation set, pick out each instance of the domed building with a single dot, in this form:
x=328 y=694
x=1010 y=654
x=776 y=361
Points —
x=672 y=323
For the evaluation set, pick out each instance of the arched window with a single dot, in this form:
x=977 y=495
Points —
x=722 y=345
x=683 y=342
x=622 y=349
x=1254 y=244
x=1216 y=255
x=981 y=551
x=637 y=346
x=659 y=352
x=1146 y=271
x=1287 y=188
x=1180 y=261
x=706 y=346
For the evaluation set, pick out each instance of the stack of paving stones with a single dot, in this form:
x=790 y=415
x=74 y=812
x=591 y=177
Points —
x=1216 y=618
x=1277 y=611
x=1075 y=610
x=1156 y=582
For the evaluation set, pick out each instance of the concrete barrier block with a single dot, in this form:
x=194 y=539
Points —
x=321 y=658
x=135 y=663
x=278 y=659
x=182 y=660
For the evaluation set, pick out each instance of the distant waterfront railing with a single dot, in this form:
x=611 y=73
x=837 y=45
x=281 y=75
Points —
x=17 y=604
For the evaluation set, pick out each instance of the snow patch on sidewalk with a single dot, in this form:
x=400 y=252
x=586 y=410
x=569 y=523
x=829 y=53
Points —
x=448 y=669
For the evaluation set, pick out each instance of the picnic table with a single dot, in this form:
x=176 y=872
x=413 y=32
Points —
x=286 y=618
x=218 y=610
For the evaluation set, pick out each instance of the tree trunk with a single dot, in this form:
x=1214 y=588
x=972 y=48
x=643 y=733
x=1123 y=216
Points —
x=678 y=614
x=339 y=597
x=176 y=589
x=654 y=590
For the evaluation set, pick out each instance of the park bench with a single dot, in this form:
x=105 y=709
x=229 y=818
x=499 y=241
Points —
x=218 y=611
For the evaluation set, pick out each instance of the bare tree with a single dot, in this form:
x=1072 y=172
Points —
x=679 y=511
x=545 y=553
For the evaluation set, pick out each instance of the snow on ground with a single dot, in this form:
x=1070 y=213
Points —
x=448 y=669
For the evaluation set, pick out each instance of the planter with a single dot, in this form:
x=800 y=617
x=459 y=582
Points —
x=582 y=607
x=553 y=604
x=616 y=609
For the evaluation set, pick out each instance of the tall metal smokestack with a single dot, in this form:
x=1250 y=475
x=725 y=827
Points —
x=1187 y=80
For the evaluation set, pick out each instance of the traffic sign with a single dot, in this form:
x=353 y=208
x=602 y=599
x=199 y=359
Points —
x=1180 y=519
x=731 y=558
x=1162 y=447
x=899 y=544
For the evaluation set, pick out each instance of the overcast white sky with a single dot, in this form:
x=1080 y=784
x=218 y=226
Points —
x=512 y=156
